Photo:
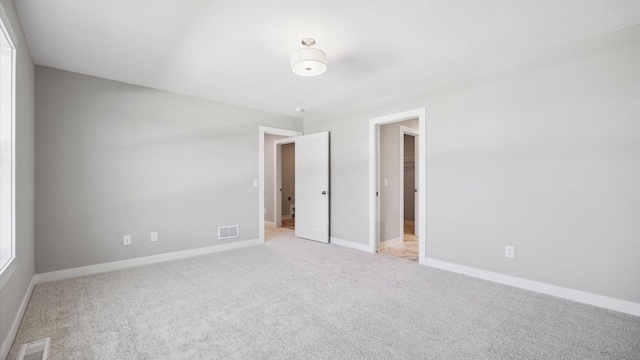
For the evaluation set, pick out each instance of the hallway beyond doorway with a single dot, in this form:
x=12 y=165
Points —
x=289 y=224
x=408 y=248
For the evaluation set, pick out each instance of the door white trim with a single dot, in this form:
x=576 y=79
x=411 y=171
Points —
x=277 y=179
x=262 y=130
x=404 y=130
x=374 y=218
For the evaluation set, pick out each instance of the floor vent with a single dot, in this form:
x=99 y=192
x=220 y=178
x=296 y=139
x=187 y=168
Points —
x=35 y=350
x=226 y=232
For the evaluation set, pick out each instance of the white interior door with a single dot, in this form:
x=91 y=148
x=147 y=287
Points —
x=312 y=187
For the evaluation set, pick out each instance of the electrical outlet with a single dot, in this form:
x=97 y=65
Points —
x=386 y=182
x=255 y=182
x=126 y=240
x=154 y=236
x=509 y=251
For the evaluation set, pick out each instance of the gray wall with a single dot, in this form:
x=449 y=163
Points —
x=288 y=177
x=269 y=161
x=390 y=170
x=541 y=153
x=115 y=159
x=409 y=178
x=14 y=290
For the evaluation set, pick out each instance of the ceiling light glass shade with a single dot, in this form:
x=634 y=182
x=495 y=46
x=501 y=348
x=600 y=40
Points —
x=309 y=62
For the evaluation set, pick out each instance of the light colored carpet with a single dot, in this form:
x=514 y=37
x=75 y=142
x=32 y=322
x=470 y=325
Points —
x=297 y=299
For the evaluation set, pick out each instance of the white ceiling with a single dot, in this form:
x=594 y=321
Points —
x=239 y=51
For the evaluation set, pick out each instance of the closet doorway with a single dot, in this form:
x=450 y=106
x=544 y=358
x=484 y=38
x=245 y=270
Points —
x=387 y=183
x=398 y=178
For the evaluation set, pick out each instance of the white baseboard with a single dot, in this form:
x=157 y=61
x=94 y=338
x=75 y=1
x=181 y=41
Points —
x=351 y=244
x=13 y=331
x=123 y=264
x=269 y=224
x=390 y=242
x=553 y=290
x=286 y=216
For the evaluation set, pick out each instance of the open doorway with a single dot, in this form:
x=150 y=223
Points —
x=312 y=191
x=397 y=204
x=267 y=179
x=285 y=183
x=397 y=176
x=270 y=197
x=409 y=180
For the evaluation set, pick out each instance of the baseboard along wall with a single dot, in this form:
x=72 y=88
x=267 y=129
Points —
x=124 y=264
x=602 y=301
x=13 y=331
x=544 y=288
x=351 y=244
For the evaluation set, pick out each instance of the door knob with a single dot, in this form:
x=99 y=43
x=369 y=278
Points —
x=324 y=193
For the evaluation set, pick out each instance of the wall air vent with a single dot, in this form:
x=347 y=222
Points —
x=35 y=350
x=226 y=232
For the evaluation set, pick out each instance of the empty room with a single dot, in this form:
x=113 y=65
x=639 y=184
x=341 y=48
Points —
x=416 y=179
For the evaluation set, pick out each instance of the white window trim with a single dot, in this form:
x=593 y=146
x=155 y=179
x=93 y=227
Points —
x=5 y=26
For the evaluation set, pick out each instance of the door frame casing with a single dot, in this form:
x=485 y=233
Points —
x=405 y=130
x=262 y=131
x=374 y=186
x=277 y=178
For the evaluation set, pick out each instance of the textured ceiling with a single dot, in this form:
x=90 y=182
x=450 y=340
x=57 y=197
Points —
x=238 y=51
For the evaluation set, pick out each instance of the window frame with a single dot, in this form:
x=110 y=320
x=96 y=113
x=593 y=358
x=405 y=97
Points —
x=5 y=27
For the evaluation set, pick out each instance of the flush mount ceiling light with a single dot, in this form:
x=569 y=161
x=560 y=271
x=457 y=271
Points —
x=308 y=61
